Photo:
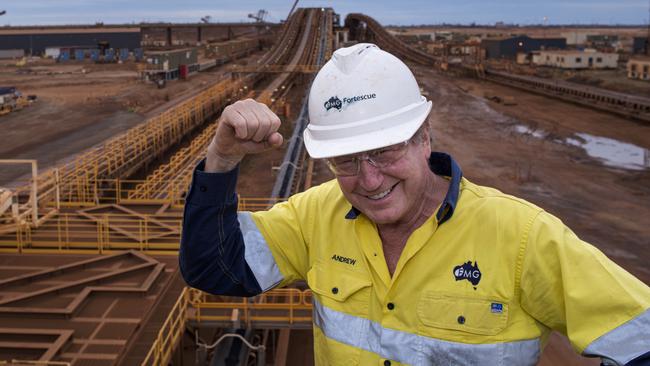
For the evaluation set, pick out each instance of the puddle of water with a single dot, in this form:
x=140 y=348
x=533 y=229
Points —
x=524 y=130
x=611 y=152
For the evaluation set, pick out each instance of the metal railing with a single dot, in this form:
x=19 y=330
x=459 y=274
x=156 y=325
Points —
x=170 y=333
x=110 y=225
x=284 y=307
x=280 y=306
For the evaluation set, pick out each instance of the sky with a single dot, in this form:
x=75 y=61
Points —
x=393 y=12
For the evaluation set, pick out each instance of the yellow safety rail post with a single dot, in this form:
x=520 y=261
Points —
x=19 y=237
x=140 y=234
x=291 y=307
x=100 y=243
x=107 y=238
x=196 y=297
x=247 y=316
x=67 y=230
x=24 y=237
x=146 y=233
x=118 y=191
x=32 y=207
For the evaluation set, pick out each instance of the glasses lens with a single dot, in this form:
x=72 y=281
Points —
x=388 y=155
x=349 y=165
x=343 y=166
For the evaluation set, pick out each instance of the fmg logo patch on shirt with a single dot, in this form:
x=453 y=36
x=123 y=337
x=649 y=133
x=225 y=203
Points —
x=468 y=271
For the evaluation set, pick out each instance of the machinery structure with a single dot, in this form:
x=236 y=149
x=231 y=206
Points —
x=259 y=17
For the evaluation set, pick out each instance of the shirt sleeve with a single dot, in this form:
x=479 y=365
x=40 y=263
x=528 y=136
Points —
x=286 y=227
x=572 y=287
x=213 y=252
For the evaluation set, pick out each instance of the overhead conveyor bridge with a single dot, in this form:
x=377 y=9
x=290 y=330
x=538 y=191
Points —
x=367 y=29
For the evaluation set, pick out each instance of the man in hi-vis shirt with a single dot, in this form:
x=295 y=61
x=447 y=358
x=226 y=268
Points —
x=408 y=261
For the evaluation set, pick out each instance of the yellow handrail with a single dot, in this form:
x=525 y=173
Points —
x=170 y=332
x=191 y=301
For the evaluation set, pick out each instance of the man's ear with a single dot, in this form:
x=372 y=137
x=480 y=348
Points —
x=426 y=140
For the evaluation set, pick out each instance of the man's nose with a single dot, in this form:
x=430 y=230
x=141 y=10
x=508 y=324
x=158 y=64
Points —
x=370 y=177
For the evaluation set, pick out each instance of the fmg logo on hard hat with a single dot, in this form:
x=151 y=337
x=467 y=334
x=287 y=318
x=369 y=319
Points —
x=335 y=102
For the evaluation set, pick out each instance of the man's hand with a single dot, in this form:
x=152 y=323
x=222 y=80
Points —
x=245 y=127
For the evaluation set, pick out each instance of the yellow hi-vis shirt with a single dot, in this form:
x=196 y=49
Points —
x=483 y=288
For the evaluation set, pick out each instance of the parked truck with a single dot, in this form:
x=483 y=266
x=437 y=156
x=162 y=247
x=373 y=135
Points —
x=13 y=100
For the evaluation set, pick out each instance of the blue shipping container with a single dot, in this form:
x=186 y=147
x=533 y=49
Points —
x=94 y=55
x=110 y=55
x=64 y=55
x=138 y=54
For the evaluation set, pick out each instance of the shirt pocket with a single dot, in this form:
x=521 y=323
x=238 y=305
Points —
x=341 y=290
x=470 y=314
x=340 y=314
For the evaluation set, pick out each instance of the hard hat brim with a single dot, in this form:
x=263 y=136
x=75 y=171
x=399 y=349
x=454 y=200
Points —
x=389 y=135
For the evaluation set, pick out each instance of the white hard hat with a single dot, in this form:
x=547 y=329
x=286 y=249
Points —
x=362 y=99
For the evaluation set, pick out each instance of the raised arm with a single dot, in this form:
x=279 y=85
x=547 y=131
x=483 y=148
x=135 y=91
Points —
x=223 y=252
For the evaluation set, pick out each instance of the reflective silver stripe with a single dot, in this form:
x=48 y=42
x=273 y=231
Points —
x=625 y=342
x=257 y=253
x=414 y=349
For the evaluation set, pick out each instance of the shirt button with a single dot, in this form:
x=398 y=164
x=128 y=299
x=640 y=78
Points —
x=461 y=320
x=390 y=306
x=387 y=363
x=335 y=290
x=203 y=188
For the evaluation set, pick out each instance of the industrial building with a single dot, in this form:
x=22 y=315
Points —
x=575 y=38
x=639 y=68
x=508 y=48
x=9 y=54
x=640 y=45
x=600 y=41
x=576 y=59
x=34 y=41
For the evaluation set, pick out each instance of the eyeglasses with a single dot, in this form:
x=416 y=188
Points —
x=349 y=165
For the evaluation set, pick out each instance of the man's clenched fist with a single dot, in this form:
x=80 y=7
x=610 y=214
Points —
x=245 y=127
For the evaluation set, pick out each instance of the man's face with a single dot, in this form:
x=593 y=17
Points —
x=390 y=195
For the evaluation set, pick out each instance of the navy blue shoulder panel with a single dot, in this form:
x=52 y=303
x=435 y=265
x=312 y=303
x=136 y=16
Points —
x=643 y=360
x=211 y=256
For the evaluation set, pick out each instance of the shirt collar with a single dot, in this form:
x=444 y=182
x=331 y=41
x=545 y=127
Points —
x=444 y=165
